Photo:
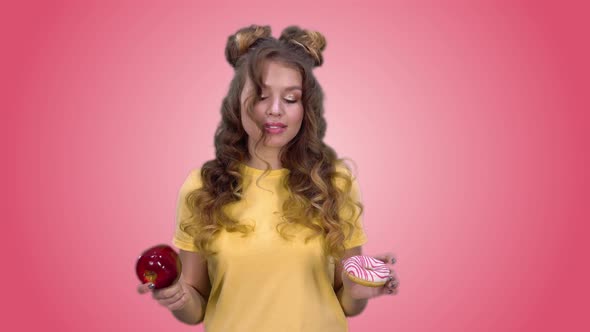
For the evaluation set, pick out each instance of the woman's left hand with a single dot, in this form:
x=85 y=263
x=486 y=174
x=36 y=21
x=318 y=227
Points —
x=359 y=292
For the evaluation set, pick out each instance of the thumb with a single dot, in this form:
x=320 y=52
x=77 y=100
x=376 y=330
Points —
x=145 y=288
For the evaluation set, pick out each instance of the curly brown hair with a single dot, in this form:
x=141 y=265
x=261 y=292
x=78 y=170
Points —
x=319 y=183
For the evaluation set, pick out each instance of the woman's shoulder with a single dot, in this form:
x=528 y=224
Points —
x=346 y=168
x=192 y=180
x=341 y=166
x=344 y=172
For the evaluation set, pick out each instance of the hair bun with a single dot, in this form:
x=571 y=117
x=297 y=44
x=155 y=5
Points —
x=312 y=42
x=240 y=42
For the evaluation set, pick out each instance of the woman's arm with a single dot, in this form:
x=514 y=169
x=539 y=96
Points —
x=195 y=280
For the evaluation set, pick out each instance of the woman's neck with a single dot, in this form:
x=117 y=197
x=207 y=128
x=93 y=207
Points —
x=259 y=164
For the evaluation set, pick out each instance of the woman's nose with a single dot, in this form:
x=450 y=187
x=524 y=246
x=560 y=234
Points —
x=275 y=107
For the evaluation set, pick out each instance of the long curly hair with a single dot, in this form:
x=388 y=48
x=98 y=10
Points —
x=318 y=182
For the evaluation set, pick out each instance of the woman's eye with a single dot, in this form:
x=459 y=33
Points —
x=290 y=101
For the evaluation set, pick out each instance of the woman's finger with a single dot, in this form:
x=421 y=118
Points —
x=393 y=278
x=144 y=288
x=386 y=290
x=391 y=287
x=172 y=299
x=393 y=291
x=387 y=258
x=179 y=304
x=392 y=284
x=165 y=293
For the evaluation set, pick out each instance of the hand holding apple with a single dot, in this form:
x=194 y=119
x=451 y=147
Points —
x=159 y=268
x=159 y=265
x=174 y=297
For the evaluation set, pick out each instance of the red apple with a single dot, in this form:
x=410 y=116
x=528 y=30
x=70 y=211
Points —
x=159 y=265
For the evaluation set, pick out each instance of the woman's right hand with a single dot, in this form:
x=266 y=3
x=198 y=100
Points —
x=186 y=298
x=173 y=297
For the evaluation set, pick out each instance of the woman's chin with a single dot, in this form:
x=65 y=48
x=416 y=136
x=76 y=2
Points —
x=273 y=142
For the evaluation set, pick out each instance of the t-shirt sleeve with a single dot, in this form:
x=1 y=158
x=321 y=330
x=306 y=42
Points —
x=181 y=239
x=358 y=236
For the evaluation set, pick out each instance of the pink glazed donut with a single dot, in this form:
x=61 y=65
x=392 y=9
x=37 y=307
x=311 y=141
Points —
x=367 y=271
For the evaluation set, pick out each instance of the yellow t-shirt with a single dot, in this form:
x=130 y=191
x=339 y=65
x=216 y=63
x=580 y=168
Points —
x=262 y=282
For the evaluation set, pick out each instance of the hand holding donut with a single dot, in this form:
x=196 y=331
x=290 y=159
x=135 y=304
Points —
x=365 y=277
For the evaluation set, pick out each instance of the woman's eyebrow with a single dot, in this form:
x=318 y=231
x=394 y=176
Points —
x=289 y=88
x=294 y=87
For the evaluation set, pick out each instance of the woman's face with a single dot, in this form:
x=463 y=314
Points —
x=280 y=110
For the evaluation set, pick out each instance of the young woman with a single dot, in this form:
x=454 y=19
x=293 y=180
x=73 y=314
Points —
x=263 y=228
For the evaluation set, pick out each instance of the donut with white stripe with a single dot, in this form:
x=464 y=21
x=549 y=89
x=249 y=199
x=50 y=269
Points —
x=367 y=271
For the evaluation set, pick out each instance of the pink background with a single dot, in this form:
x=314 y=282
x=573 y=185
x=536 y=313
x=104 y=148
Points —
x=468 y=122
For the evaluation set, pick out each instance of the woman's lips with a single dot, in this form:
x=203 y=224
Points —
x=274 y=130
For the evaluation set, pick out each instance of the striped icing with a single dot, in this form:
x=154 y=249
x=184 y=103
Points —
x=367 y=268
